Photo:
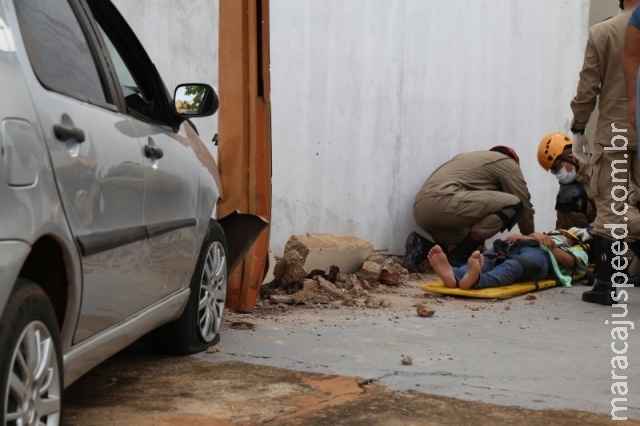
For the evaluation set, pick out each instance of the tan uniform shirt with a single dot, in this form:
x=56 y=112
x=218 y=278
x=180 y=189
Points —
x=602 y=75
x=481 y=171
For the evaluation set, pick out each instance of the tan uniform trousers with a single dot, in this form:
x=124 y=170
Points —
x=448 y=218
x=617 y=213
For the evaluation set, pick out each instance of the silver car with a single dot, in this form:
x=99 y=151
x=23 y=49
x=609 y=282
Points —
x=107 y=204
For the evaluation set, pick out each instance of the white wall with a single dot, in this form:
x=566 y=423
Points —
x=369 y=97
x=602 y=9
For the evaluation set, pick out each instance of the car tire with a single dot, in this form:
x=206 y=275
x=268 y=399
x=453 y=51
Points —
x=199 y=325
x=31 y=369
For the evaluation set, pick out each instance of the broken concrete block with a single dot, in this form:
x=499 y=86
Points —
x=424 y=310
x=376 y=258
x=390 y=278
x=330 y=288
x=351 y=281
x=310 y=293
x=271 y=264
x=321 y=251
x=278 y=299
x=370 y=271
x=393 y=266
x=290 y=268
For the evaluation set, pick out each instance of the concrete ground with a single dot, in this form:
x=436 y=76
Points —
x=523 y=355
x=553 y=351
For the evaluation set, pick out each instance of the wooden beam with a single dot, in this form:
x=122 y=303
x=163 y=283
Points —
x=244 y=133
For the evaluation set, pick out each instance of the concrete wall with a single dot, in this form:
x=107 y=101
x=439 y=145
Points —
x=602 y=9
x=369 y=97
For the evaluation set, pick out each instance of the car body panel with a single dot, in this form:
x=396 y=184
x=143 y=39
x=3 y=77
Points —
x=101 y=185
x=96 y=349
x=76 y=178
x=31 y=212
x=171 y=200
x=12 y=256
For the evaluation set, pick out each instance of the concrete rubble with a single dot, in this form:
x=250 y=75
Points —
x=334 y=270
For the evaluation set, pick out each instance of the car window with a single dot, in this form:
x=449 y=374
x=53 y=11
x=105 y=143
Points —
x=144 y=92
x=58 y=49
x=139 y=101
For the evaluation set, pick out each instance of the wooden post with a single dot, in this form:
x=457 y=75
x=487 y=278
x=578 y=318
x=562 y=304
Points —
x=244 y=133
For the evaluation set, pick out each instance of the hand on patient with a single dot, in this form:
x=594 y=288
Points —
x=542 y=239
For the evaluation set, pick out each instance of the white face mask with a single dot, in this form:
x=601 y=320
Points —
x=564 y=176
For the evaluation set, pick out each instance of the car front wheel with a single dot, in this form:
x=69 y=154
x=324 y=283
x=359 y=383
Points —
x=31 y=376
x=199 y=325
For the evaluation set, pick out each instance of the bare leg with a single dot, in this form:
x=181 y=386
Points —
x=474 y=266
x=441 y=266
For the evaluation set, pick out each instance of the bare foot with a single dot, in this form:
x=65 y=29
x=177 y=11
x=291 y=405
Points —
x=441 y=266
x=474 y=266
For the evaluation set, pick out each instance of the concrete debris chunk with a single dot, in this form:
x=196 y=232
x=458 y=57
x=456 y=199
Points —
x=310 y=293
x=424 y=311
x=370 y=271
x=376 y=258
x=330 y=288
x=213 y=349
x=406 y=360
x=296 y=281
x=321 y=251
x=280 y=298
x=390 y=278
x=290 y=268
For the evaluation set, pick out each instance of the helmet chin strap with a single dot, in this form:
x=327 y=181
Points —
x=574 y=163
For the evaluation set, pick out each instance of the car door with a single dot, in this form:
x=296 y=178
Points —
x=170 y=169
x=96 y=158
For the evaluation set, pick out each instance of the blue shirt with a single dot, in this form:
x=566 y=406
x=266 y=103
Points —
x=635 y=17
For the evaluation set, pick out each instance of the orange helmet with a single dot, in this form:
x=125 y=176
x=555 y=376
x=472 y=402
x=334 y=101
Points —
x=506 y=151
x=551 y=147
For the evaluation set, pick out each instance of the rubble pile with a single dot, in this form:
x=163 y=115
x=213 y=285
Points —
x=294 y=285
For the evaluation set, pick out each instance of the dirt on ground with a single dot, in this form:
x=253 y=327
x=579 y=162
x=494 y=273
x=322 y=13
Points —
x=137 y=387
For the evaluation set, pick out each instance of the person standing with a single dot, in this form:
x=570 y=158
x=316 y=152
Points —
x=614 y=162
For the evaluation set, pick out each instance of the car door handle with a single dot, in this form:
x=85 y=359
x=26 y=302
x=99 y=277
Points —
x=64 y=133
x=151 y=151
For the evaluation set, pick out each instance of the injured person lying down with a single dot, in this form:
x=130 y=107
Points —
x=559 y=255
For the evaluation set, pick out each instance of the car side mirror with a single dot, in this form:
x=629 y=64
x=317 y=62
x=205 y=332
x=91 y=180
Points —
x=195 y=100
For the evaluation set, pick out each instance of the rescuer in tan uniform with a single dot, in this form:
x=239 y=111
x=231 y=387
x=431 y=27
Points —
x=472 y=197
x=614 y=160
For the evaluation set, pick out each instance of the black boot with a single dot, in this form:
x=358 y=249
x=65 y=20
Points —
x=415 y=252
x=460 y=255
x=635 y=280
x=602 y=288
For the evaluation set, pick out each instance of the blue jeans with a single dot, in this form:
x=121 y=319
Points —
x=508 y=271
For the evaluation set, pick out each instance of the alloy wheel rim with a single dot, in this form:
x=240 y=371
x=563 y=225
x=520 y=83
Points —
x=213 y=292
x=34 y=388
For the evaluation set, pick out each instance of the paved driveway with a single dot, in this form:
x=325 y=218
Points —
x=548 y=352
